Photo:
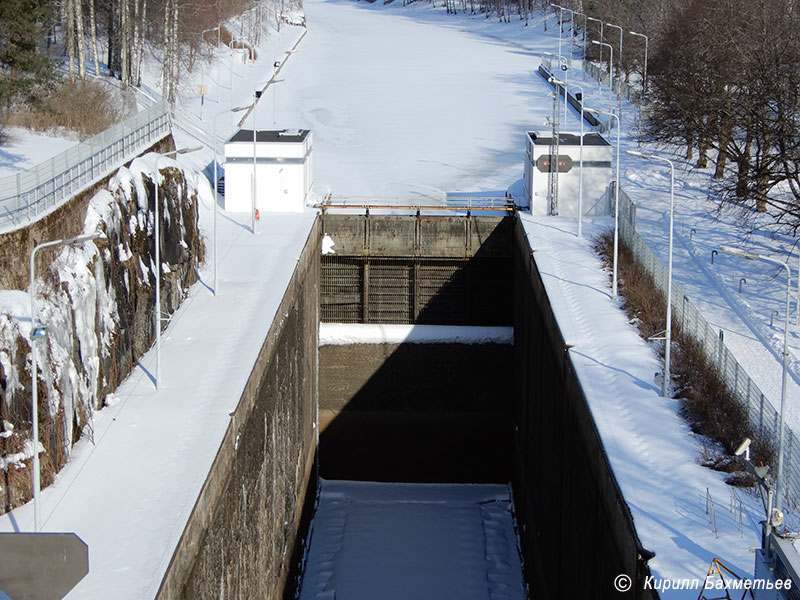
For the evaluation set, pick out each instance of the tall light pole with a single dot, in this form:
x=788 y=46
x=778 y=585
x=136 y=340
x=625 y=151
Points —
x=754 y=256
x=619 y=54
x=216 y=182
x=610 y=64
x=668 y=334
x=584 y=33
x=564 y=67
x=560 y=20
x=253 y=208
x=571 y=27
x=580 y=177
x=157 y=241
x=601 y=37
x=616 y=200
x=644 y=75
x=39 y=331
x=219 y=84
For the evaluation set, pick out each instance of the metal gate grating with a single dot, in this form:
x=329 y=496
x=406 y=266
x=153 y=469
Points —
x=445 y=291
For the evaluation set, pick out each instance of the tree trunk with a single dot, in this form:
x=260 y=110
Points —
x=135 y=44
x=174 y=65
x=743 y=168
x=79 y=38
x=111 y=40
x=125 y=43
x=140 y=47
x=724 y=140
x=69 y=17
x=165 y=69
x=93 y=32
x=702 y=153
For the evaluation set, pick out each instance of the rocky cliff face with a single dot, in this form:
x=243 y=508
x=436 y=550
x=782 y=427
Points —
x=97 y=300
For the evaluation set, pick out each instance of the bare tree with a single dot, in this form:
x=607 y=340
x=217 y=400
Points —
x=79 y=38
x=93 y=32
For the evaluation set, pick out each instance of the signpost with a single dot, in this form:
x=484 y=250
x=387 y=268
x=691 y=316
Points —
x=41 y=566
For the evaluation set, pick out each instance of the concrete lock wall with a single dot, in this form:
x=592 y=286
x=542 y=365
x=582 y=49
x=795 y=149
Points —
x=577 y=532
x=416 y=412
x=244 y=534
x=423 y=413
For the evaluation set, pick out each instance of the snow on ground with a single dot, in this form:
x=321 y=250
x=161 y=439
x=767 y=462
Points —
x=333 y=334
x=651 y=450
x=130 y=494
x=26 y=149
x=407 y=101
x=396 y=541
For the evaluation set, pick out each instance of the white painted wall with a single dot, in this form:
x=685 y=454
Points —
x=595 y=180
x=283 y=171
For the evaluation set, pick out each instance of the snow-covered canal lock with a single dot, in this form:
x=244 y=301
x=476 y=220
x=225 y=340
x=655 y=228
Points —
x=439 y=429
x=415 y=412
x=413 y=427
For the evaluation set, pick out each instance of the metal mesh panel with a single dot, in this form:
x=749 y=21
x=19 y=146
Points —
x=445 y=291
x=762 y=413
x=340 y=290
x=27 y=195
x=390 y=296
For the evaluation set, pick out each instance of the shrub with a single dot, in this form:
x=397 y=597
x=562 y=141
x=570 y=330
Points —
x=82 y=107
x=706 y=403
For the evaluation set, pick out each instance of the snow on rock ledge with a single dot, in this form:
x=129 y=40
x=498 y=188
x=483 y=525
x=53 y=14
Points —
x=97 y=300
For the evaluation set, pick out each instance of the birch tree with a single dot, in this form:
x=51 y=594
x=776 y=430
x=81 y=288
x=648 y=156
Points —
x=93 y=33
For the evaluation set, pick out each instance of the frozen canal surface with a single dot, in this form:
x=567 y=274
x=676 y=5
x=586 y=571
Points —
x=401 y=541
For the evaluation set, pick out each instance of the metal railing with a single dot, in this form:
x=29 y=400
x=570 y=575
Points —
x=456 y=202
x=626 y=90
x=761 y=411
x=28 y=195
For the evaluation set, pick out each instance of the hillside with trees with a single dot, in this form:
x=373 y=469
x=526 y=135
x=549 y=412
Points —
x=54 y=53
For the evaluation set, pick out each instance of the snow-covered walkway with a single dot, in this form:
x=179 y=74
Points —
x=129 y=495
x=651 y=450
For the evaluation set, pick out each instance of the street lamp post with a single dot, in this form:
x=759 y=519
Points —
x=668 y=334
x=610 y=64
x=39 y=332
x=216 y=184
x=157 y=242
x=584 y=33
x=564 y=67
x=619 y=54
x=644 y=75
x=580 y=159
x=219 y=84
x=253 y=208
x=601 y=37
x=616 y=200
x=560 y=20
x=571 y=27
x=754 y=256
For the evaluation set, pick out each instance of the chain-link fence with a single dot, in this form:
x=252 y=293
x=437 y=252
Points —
x=762 y=413
x=626 y=90
x=27 y=195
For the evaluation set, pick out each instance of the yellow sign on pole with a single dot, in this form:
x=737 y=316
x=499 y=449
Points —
x=202 y=90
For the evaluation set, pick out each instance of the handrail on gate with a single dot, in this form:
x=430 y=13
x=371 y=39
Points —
x=457 y=203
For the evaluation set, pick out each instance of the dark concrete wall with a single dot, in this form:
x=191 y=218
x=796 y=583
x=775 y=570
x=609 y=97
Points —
x=420 y=235
x=577 y=530
x=417 y=269
x=416 y=412
x=244 y=532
